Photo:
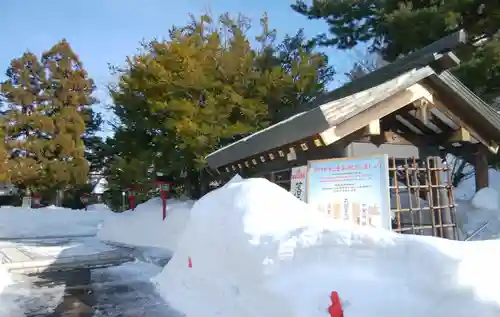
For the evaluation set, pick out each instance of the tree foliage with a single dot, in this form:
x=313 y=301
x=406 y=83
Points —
x=47 y=103
x=183 y=97
x=398 y=27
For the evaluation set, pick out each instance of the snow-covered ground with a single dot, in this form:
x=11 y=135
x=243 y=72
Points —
x=5 y=279
x=36 y=235
x=252 y=249
x=17 y=222
x=21 y=224
x=117 y=291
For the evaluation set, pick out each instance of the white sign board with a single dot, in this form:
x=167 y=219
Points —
x=298 y=182
x=354 y=189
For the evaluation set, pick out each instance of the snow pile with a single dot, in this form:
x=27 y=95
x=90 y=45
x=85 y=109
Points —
x=144 y=225
x=467 y=188
x=479 y=218
x=18 y=222
x=255 y=250
x=5 y=278
x=100 y=187
x=485 y=198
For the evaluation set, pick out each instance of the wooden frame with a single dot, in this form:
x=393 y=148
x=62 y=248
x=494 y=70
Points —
x=382 y=109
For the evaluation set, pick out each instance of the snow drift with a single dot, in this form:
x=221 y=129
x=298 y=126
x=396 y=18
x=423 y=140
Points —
x=255 y=250
x=5 y=278
x=144 y=226
x=479 y=218
x=18 y=222
x=467 y=187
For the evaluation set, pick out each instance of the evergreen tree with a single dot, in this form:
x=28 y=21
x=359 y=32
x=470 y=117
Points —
x=47 y=102
x=69 y=94
x=398 y=27
x=25 y=125
x=305 y=74
x=186 y=96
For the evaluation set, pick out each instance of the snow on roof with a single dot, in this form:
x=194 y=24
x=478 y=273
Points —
x=100 y=187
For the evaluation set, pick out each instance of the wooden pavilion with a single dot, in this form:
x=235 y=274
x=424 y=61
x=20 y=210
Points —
x=414 y=110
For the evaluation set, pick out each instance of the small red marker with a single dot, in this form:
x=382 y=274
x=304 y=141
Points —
x=335 y=309
x=190 y=263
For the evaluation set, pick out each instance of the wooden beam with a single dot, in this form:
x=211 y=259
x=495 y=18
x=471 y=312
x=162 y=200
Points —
x=481 y=167
x=460 y=135
x=491 y=145
x=373 y=128
x=416 y=123
x=442 y=125
x=422 y=112
x=376 y=112
x=385 y=137
x=406 y=133
x=256 y=166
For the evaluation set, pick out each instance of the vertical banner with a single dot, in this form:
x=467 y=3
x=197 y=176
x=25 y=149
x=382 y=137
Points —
x=298 y=182
x=351 y=189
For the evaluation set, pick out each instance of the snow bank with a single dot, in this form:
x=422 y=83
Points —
x=479 y=218
x=485 y=198
x=466 y=189
x=144 y=226
x=256 y=250
x=18 y=222
x=5 y=278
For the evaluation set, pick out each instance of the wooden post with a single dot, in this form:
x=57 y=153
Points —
x=481 y=167
x=441 y=200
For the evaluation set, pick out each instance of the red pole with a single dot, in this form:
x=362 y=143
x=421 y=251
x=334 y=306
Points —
x=164 y=203
x=132 y=202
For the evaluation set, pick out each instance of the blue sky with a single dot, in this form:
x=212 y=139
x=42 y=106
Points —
x=106 y=31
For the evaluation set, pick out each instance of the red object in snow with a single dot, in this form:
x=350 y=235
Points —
x=36 y=200
x=131 y=201
x=131 y=196
x=164 y=190
x=335 y=309
x=190 y=263
x=164 y=203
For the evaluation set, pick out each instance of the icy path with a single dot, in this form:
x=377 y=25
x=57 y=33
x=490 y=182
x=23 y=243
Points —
x=119 y=291
x=38 y=255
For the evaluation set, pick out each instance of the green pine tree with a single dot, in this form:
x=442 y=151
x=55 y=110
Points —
x=184 y=97
x=398 y=27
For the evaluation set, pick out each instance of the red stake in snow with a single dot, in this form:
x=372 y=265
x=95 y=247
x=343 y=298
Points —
x=164 y=190
x=335 y=309
x=164 y=203
x=190 y=263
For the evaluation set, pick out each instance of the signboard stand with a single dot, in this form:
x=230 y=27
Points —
x=351 y=189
